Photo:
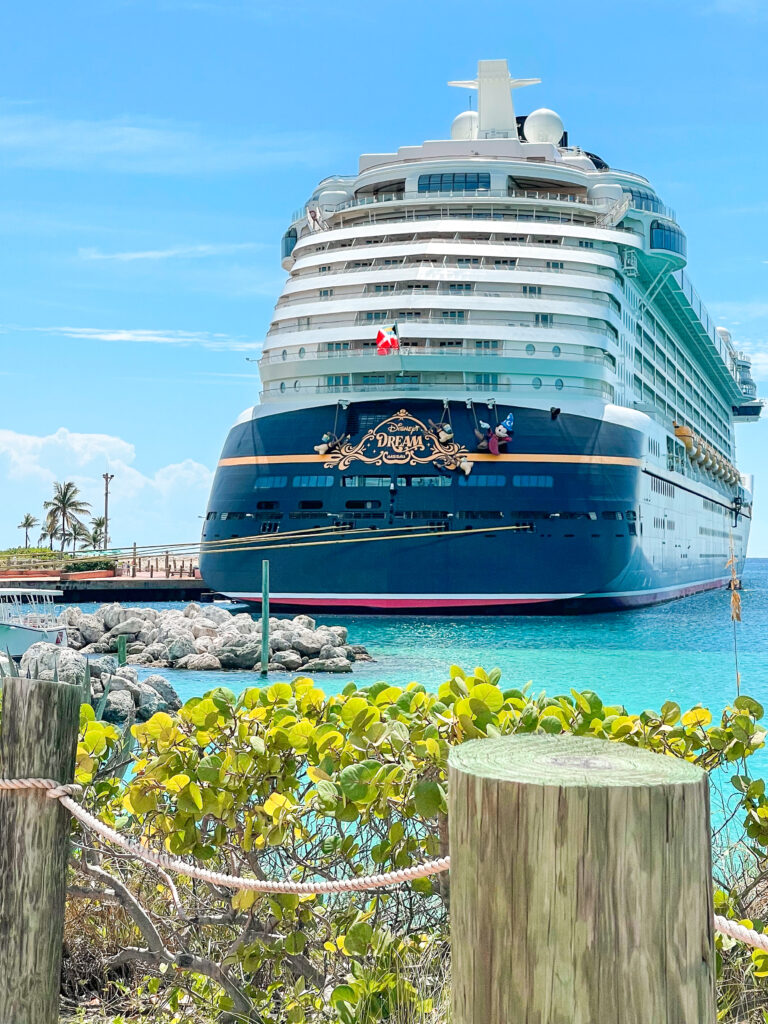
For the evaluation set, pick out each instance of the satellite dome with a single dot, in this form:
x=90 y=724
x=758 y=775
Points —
x=543 y=125
x=465 y=126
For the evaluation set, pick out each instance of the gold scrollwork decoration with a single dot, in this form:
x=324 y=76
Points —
x=399 y=440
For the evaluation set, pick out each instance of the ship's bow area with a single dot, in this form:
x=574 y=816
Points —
x=413 y=505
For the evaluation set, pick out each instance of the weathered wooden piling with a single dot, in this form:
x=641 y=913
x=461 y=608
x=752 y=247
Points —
x=264 y=616
x=581 y=885
x=38 y=738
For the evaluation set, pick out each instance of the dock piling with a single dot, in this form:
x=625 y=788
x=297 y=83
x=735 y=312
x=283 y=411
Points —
x=264 y=616
x=581 y=884
x=37 y=740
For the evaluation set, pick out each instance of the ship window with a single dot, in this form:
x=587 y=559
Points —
x=296 y=385
x=267 y=504
x=555 y=265
x=483 y=480
x=262 y=483
x=269 y=526
x=457 y=289
x=211 y=515
x=612 y=515
x=282 y=387
x=310 y=504
x=302 y=352
x=366 y=481
x=470 y=181
x=644 y=199
x=337 y=380
x=487 y=379
x=363 y=504
x=492 y=343
x=559 y=383
x=536 y=382
x=530 y=350
x=556 y=350
x=428 y=481
x=531 y=289
x=284 y=355
x=543 y=319
x=583 y=244
x=313 y=481
x=454 y=314
x=378 y=378
x=289 y=241
x=532 y=481
x=664 y=236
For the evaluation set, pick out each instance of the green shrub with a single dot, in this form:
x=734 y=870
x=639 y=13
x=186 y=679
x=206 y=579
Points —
x=288 y=782
x=90 y=564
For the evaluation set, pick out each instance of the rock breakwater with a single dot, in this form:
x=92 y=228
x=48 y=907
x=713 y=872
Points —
x=209 y=638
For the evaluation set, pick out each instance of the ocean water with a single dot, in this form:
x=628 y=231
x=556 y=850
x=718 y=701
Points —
x=682 y=651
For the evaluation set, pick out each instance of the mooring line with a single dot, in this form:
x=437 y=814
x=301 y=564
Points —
x=65 y=793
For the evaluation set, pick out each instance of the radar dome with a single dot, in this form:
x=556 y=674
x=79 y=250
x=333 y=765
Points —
x=543 y=125
x=465 y=126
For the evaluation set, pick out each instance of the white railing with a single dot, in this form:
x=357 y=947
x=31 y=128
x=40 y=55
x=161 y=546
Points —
x=409 y=323
x=466 y=350
x=598 y=388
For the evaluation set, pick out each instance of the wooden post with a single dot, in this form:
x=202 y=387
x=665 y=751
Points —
x=38 y=739
x=167 y=565
x=581 y=884
x=121 y=645
x=264 y=615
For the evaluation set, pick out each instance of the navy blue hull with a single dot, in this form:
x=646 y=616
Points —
x=554 y=523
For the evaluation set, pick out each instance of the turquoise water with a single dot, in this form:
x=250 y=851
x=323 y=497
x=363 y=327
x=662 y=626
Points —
x=681 y=651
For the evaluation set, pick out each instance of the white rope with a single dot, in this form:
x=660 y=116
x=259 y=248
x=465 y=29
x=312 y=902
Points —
x=65 y=793
x=162 y=860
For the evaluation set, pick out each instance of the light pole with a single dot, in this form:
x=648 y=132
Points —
x=107 y=478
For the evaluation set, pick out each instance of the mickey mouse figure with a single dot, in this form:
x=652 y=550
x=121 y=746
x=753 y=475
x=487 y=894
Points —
x=496 y=438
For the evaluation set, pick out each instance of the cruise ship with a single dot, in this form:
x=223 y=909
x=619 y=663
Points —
x=488 y=387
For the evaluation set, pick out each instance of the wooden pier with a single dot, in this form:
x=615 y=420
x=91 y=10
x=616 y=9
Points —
x=119 y=588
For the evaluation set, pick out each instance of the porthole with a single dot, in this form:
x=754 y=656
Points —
x=302 y=352
x=559 y=384
x=282 y=387
x=285 y=354
x=530 y=349
x=556 y=351
x=536 y=382
x=296 y=385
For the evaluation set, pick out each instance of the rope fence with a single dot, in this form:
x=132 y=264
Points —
x=65 y=795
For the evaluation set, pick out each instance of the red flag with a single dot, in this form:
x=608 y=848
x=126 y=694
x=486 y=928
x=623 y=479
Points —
x=387 y=341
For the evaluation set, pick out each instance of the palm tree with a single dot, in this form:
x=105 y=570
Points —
x=98 y=537
x=50 y=531
x=65 y=507
x=27 y=523
x=81 y=535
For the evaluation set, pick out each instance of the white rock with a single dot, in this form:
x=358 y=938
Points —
x=204 y=644
x=127 y=627
x=306 y=642
x=327 y=665
x=180 y=646
x=43 y=660
x=166 y=691
x=288 y=659
x=217 y=614
x=243 y=623
x=304 y=620
x=204 y=627
x=192 y=610
x=200 y=662
x=91 y=628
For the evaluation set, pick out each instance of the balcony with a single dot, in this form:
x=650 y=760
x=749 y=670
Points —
x=407 y=324
x=598 y=389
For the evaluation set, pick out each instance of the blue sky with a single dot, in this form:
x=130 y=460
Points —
x=151 y=153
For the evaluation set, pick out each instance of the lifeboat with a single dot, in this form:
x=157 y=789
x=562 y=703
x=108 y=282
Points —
x=685 y=434
x=709 y=458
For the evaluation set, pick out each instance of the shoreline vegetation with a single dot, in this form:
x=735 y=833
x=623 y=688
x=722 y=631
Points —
x=284 y=781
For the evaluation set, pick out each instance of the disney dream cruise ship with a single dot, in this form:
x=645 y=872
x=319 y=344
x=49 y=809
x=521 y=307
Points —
x=488 y=386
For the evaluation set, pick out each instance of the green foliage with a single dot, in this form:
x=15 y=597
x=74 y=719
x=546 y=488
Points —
x=90 y=564
x=288 y=782
x=30 y=552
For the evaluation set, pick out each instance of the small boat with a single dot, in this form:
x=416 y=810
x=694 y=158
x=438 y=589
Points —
x=27 y=617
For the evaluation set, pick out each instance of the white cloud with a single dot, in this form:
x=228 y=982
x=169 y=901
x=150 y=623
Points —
x=177 y=252
x=161 y=505
x=204 y=339
x=144 y=146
